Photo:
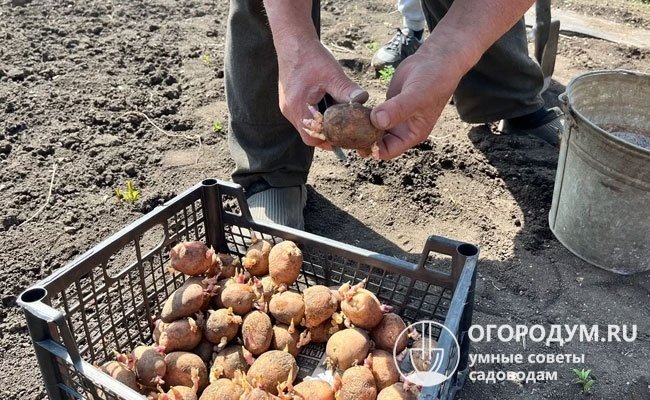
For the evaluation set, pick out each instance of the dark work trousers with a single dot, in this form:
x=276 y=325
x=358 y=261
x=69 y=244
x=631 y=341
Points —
x=267 y=150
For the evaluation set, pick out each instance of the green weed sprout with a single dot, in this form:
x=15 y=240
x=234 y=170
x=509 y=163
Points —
x=217 y=127
x=130 y=195
x=373 y=47
x=583 y=377
x=386 y=74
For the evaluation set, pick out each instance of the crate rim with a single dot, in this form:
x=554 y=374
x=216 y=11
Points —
x=39 y=312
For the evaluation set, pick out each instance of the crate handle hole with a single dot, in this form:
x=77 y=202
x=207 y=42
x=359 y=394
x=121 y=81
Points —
x=467 y=250
x=33 y=295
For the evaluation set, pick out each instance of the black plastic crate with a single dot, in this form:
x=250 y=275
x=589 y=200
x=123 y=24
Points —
x=107 y=299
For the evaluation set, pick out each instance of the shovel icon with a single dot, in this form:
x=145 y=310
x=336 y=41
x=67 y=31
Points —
x=426 y=357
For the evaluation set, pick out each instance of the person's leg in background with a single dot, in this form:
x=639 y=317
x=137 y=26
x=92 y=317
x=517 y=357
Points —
x=504 y=85
x=412 y=16
x=406 y=40
x=271 y=160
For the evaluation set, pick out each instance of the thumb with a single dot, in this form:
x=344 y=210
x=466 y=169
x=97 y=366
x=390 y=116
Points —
x=394 y=110
x=345 y=91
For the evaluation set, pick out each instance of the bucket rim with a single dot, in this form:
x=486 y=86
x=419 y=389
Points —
x=569 y=109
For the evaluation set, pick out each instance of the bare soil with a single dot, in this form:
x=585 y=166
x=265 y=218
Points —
x=76 y=78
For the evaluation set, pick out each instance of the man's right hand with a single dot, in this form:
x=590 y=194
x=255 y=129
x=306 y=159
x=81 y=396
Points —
x=308 y=71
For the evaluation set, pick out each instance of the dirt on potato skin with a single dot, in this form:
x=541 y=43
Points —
x=74 y=79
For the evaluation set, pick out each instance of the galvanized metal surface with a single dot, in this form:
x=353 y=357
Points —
x=601 y=201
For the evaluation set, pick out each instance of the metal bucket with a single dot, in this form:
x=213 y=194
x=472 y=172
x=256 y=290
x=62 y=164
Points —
x=601 y=200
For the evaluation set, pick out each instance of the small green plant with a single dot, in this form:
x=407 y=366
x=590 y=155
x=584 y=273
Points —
x=217 y=127
x=373 y=47
x=206 y=59
x=130 y=195
x=583 y=377
x=386 y=73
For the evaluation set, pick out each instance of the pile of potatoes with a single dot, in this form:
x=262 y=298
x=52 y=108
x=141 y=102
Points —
x=232 y=332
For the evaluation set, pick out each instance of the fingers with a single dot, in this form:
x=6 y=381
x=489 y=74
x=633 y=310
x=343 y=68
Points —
x=359 y=96
x=395 y=110
x=397 y=142
x=343 y=90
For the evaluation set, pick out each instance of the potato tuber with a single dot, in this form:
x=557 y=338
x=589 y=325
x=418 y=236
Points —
x=272 y=369
x=238 y=296
x=347 y=347
x=150 y=365
x=386 y=334
x=397 y=392
x=192 y=258
x=121 y=373
x=256 y=260
x=320 y=304
x=287 y=307
x=222 y=389
x=345 y=125
x=257 y=332
x=314 y=389
x=383 y=368
x=285 y=261
x=222 y=326
x=182 y=366
x=227 y=361
x=285 y=337
x=187 y=300
x=225 y=266
x=182 y=334
x=361 y=306
x=358 y=383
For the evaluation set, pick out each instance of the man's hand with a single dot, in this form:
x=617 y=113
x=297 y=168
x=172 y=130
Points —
x=307 y=71
x=417 y=94
x=424 y=82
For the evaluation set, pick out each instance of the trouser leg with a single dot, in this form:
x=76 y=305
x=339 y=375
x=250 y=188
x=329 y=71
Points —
x=505 y=83
x=412 y=14
x=267 y=150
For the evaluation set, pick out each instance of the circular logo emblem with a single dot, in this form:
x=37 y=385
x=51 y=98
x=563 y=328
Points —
x=423 y=363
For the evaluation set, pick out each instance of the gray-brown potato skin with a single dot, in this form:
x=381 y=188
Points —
x=348 y=126
x=287 y=306
x=272 y=368
x=149 y=364
x=239 y=296
x=119 y=372
x=384 y=369
x=227 y=361
x=257 y=332
x=222 y=389
x=179 y=369
x=314 y=389
x=385 y=334
x=320 y=304
x=282 y=338
x=220 y=324
x=396 y=392
x=358 y=383
x=348 y=347
x=185 y=301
